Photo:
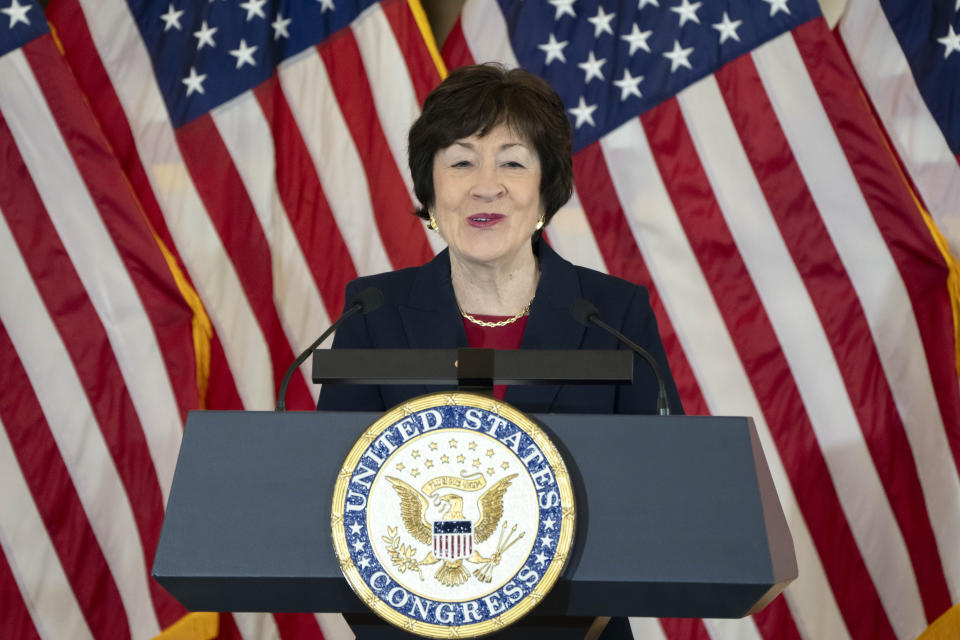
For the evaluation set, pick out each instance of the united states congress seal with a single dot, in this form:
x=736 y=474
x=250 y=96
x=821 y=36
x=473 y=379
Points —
x=453 y=515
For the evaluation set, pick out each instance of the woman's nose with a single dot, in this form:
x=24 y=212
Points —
x=488 y=185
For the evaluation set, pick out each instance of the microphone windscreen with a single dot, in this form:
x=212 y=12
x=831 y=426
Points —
x=369 y=299
x=582 y=310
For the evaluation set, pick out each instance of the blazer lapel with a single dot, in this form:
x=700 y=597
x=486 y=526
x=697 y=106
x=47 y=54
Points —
x=430 y=318
x=550 y=325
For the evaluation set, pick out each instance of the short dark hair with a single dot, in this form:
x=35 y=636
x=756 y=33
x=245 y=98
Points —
x=474 y=100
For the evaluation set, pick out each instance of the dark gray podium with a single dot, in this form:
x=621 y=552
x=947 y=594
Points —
x=677 y=516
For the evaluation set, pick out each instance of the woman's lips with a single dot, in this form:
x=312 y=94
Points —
x=484 y=220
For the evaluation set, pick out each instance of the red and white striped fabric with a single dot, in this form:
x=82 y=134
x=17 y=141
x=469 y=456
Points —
x=96 y=369
x=794 y=281
x=272 y=201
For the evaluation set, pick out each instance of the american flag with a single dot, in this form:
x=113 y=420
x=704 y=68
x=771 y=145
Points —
x=725 y=158
x=253 y=135
x=908 y=56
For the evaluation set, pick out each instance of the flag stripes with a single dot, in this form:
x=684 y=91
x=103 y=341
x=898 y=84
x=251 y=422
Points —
x=786 y=256
x=811 y=249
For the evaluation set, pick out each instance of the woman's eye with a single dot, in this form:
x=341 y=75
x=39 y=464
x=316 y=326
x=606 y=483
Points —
x=461 y=163
x=513 y=164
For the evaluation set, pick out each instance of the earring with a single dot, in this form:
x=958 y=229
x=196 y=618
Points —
x=540 y=223
x=433 y=223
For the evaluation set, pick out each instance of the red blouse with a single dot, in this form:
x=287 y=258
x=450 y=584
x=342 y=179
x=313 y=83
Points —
x=505 y=337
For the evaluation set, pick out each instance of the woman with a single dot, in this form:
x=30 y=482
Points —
x=491 y=162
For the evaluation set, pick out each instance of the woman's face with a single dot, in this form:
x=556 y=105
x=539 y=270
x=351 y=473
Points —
x=487 y=196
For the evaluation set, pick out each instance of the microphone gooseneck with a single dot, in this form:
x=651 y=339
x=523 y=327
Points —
x=366 y=301
x=586 y=313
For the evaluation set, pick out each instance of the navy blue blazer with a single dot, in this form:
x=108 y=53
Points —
x=420 y=312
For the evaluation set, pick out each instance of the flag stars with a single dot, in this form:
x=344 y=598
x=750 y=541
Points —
x=679 y=56
x=592 y=67
x=601 y=22
x=637 y=39
x=644 y=3
x=564 y=8
x=171 y=19
x=244 y=54
x=687 y=11
x=326 y=5
x=254 y=8
x=194 y=82
x=583 y=112
x=777 y=6
x=280 y=27
x=628 y=85
x=18 y=13
x=728 y=28
x=205 y=36
x=554 y=49
x=951 y=42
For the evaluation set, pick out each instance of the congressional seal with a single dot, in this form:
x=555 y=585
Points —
x=453 y=515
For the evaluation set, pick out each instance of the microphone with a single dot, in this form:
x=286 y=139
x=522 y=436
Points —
x=585 y=313
x=366 y=301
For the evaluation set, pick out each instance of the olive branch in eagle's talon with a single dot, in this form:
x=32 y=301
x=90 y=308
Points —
x=402 y=555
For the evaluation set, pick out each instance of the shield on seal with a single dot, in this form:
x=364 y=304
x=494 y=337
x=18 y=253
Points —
x=452 y=539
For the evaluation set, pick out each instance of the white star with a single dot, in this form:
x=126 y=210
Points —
x=957 y=7
x=18 y=13
x=728 y=28
x=679 y=56
x=194 y=82
x=951 y=41
x=637 y=39
x=254 y=8
x=355 y=529
x=548 y=523
x=644 y=3
x=326 y=5
x=358 y=546
x=171 y=19
x=554 y=49
x=546 y=541
x=778 y=5
x=584 y=113
x=541 y=558
x=687 y=11
x=564 y=7
x=628 y=85
x=601 y=22
x=592 y=67
x=244 y=54
x=364 y=562
x=205 y=36
x=280 y=27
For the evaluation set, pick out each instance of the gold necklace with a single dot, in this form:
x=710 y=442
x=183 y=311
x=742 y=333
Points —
x=500 y=323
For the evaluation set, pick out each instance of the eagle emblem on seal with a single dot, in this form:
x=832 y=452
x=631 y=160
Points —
x=453 y=538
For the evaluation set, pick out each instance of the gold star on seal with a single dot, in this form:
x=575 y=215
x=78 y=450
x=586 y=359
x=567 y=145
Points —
x=490 y=471
x=460 y=458
x=489 y=453
x=400 y=466
x=433 y=446
x=444 y=458
x=505 y=465
x=452 y=443
x=415 y=473
x=429 y=464
x=476 y=463
x=473 y=445
x=416 y=453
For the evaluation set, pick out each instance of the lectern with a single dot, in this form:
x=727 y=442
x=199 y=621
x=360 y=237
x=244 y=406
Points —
x=677 y=516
